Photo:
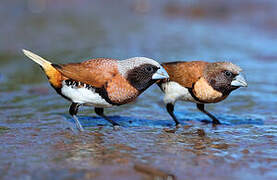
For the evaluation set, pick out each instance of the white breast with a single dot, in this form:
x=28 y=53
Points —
x=84 y=96
x=174 y=91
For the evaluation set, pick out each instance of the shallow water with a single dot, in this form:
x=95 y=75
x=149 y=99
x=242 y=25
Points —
x=35 y=137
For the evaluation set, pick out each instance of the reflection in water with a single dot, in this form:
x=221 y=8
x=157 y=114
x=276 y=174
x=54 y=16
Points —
x=126 y=121
x=188 y=146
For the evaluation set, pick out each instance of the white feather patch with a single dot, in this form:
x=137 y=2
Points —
x=84 y=96
x=174 y=91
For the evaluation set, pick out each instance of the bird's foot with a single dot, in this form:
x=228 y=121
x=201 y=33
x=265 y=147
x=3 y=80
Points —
x=78 y=124
x=178 y=125
x=116 y=127
x=216 y=122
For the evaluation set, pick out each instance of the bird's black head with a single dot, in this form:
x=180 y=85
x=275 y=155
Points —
x=224 y=77
x=141 y=72
x=143 y=76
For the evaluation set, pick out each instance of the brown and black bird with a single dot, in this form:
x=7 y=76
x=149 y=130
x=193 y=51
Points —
x=199 y=82
x=101 y=82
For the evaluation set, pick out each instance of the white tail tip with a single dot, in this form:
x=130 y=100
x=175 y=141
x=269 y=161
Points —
x=35 y=57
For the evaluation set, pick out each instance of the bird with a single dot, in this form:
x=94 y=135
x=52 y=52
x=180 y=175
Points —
x=199 y=82
x=100 y=82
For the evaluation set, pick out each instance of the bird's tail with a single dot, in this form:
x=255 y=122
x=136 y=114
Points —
x=53 y=75
x=42 y=62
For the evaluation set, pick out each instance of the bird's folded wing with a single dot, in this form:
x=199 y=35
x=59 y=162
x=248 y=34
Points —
x=95 y=72
x=185 y=73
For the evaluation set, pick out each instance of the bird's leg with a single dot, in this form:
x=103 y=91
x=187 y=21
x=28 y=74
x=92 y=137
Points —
x=73 y=110
x=100 y=112
x=170 y=109
x=201 y=107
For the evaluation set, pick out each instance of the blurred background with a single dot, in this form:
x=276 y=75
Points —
x=34 y=121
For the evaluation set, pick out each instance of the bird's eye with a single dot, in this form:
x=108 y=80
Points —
x=149 y=69
x=228 y=73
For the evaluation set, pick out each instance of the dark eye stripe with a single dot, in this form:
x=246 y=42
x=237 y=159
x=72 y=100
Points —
x=149 y=69
x=228 y=73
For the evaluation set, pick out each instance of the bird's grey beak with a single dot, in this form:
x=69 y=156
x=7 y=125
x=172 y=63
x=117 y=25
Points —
x=239 y=81
x=160 y=74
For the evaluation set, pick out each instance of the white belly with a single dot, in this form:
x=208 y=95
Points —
x=174 y=91
x=84 y=96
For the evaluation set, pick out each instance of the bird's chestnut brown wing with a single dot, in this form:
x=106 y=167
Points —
x=191 y=76
x=185 y=73
x=102 y=74
x=95 y=72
